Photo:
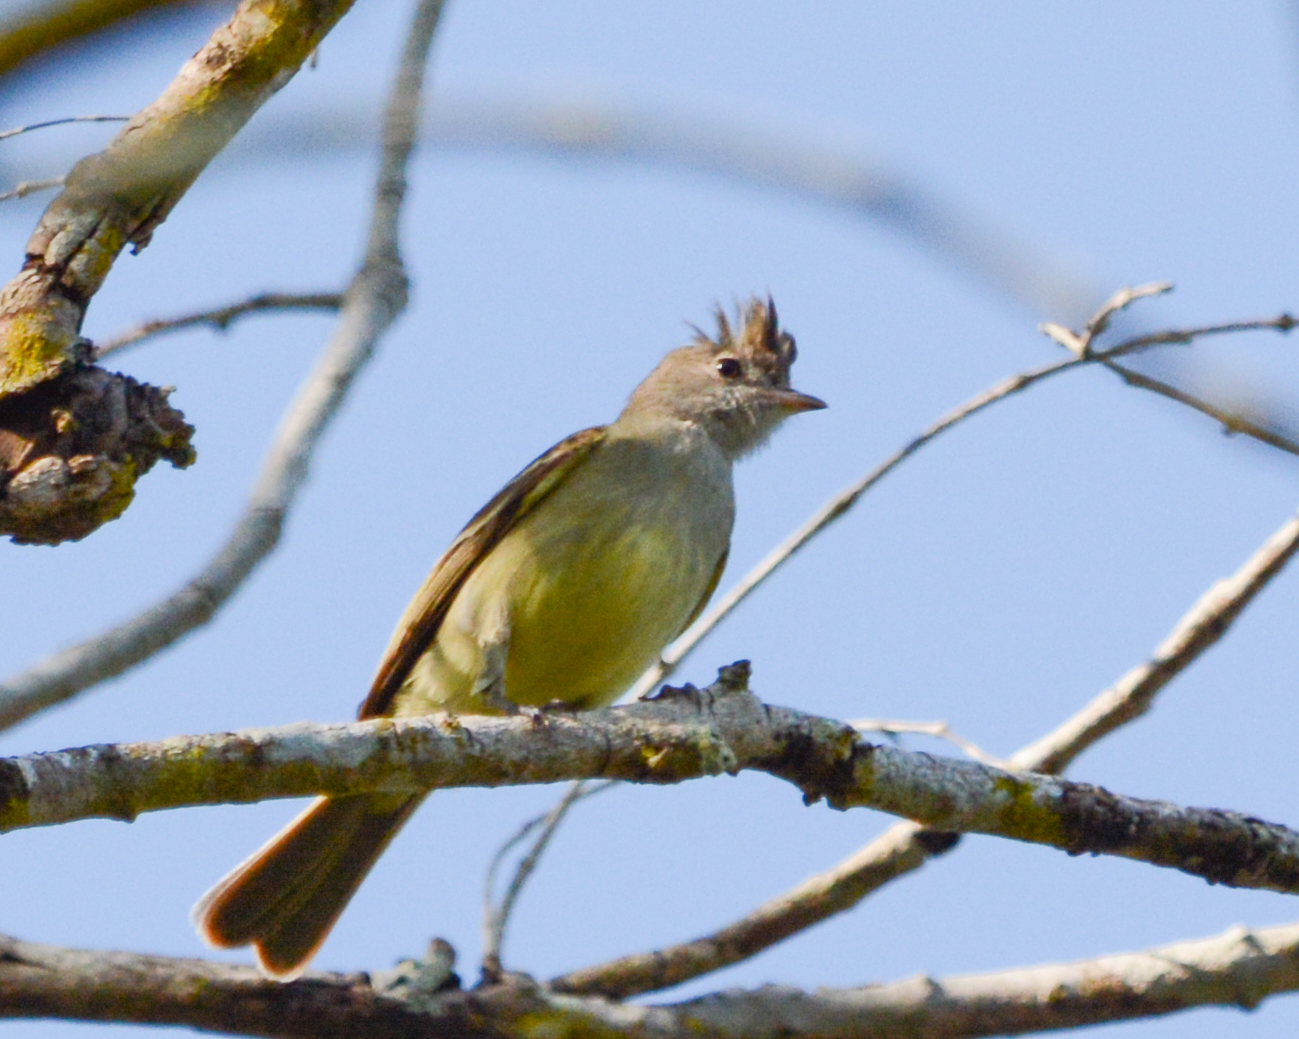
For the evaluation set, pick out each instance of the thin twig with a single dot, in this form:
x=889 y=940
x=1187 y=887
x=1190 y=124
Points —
x=905 y=847
x=29 y=187
x=1199 y=628
x=939 y=730
x=372 y=302
x=827 y=514
x=5 y=134
x=222 y=317
x=1232 y=421
x=849 y=496
x=1121 y=300
x=496 y=917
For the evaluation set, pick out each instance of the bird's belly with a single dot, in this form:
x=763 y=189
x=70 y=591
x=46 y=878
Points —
x=595 y=614
x=578 y=612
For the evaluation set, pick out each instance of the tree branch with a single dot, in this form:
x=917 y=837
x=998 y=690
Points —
x=1082 y=354
x=1237 y=968
x=58 y=21
x=29 y=187
x=372 y=302
x=220 y=318
x=905 y=847
x=119 y=196
x=684 y=734
x=1233 y=420
x=1207 y=621
x=73 y=438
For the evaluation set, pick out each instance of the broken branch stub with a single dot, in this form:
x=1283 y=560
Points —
x=72 y=448
x=67 y=470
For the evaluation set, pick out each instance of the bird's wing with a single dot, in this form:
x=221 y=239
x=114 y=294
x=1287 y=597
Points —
x=424 y=615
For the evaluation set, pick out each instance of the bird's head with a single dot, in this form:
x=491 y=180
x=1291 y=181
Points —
x=735 y=383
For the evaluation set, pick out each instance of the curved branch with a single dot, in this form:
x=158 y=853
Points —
x=119 y=196
x=905 y=847
x=822 y=170
x=842 y=502
x=59 y=21
x=1239 y=968
x=1200 y=628
x=862 y=187
x=372 y=302
x=220 y=318
x=683 y=734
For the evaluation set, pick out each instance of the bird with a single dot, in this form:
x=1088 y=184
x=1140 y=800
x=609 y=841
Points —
x=563 y=588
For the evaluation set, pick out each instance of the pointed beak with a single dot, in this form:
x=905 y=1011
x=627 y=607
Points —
x=792 y=401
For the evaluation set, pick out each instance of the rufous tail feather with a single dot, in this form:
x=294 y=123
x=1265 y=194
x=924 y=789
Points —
x=284 y=898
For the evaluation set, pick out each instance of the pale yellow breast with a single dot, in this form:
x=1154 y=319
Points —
x=591 y=585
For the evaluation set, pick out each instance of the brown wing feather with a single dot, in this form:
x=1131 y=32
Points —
x=491 y=523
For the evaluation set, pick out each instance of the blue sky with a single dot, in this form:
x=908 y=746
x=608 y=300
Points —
x=998 y=581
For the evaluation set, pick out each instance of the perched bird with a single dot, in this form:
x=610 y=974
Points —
x=565 y=586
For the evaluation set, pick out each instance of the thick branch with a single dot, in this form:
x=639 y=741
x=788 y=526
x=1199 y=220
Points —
x=74 y=439
x=1239 y=968
x=683 y=735
x=372 y=302
x=905 y=847
x=117 y=197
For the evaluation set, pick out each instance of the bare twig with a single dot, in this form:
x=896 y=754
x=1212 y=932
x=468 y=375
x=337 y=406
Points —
x=1080 y=343
x=905 y=847
x=939 y=730
x=1198 y=629
x=29 y=187
x=827 y=514
x=495 y=917
x=5 y=134
x=849 y=496
x=1120 y=301
x=1233 y=421
x=1239 y=968
x=682 y=735
x=222 y=317
x=372 y=302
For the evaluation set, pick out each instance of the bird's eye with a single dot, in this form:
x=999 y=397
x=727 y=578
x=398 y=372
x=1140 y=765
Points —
x=729 y=368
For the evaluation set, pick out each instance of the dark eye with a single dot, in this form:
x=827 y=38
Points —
x=729 y=368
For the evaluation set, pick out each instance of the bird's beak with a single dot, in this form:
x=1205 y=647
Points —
x=793 y=401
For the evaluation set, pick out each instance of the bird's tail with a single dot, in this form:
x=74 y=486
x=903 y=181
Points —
x=284 y=898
